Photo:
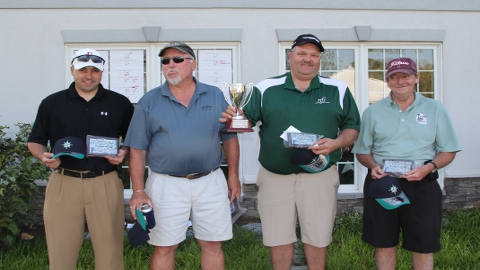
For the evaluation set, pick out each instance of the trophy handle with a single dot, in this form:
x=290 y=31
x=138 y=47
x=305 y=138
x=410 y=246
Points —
x=227 y=96
x=248 y=95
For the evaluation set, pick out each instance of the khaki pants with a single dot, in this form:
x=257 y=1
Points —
x=68 y=202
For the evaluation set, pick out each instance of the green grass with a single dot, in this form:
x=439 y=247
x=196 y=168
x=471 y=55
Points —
x=460 y=249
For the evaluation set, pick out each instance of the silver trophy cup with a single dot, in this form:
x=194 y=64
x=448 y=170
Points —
x=238 y=95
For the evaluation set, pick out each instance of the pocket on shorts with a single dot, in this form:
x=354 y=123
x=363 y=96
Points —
x=260 y=176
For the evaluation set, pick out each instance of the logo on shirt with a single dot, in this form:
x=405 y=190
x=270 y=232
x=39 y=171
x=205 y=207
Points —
x=322 y=100
x=103 y=113
x=421 y=119
x=206 y=108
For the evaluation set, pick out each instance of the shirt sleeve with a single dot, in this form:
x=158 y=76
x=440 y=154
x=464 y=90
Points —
x=364 y=142
x=446 y=138
x=139 y=131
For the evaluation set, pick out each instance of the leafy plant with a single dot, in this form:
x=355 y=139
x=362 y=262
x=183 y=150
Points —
x=18 y=170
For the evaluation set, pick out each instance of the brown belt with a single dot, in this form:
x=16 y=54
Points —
x=83 y=174
x=193 y=175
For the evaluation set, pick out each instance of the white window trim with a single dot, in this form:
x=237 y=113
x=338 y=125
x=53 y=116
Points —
x=361 y=96
x=153 y=67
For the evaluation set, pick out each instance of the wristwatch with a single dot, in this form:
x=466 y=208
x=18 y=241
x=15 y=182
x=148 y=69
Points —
x=435 y=167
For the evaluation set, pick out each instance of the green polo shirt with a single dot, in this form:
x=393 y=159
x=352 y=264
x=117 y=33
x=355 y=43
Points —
x=417 y=133
x=325 y=108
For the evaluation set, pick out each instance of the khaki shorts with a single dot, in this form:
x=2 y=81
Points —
x=310 y=196
x=204 y=200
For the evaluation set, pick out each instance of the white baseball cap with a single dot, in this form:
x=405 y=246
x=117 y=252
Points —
x=87 y=57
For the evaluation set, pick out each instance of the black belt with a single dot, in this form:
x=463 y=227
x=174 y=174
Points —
x=193 y=175
x=83 y=174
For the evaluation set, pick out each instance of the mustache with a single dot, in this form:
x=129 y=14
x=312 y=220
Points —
x=305 y=62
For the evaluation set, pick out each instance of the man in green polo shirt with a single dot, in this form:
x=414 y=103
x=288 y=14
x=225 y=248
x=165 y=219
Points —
x=287 y=192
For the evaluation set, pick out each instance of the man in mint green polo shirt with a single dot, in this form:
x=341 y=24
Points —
x=405 y=128
x=287 y=191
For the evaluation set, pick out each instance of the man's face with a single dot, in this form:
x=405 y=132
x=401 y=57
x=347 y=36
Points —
x=175 y=73
x=86 y=79
x=401 y=83
x=305 y=61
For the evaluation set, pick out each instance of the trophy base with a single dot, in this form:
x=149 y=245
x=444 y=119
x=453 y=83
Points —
x=238 y=126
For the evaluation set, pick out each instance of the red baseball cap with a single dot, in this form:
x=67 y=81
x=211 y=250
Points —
x=403 y=65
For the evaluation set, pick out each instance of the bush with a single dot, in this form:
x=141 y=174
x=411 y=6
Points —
x=18 y=170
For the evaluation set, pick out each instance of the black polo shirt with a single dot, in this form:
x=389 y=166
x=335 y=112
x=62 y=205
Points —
x=65 y=113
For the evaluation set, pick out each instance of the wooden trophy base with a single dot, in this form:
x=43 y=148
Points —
x=238 y=126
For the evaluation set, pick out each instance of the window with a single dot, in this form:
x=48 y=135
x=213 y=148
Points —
x=362 y=66
x=135 y=69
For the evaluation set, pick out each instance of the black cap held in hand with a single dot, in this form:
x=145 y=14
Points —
x=137 y=236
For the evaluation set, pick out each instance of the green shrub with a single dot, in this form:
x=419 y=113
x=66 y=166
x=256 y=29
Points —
x=18 y=170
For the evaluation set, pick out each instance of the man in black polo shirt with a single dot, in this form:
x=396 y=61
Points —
x=82 y=188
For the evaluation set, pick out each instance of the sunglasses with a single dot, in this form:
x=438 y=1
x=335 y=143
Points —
x=86 y=58
x=176 y=59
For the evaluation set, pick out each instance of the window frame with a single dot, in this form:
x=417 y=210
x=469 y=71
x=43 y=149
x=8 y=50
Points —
x=153 y=72
x=361 y=92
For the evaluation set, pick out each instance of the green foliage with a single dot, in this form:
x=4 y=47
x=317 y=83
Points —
x=18 y=170
x=460 y=242
x=460 y=249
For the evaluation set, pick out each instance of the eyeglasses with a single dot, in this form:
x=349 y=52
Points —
x=176 y=59
x=87 y=57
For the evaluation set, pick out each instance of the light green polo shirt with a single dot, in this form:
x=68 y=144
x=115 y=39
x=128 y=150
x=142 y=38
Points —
x=325 y=108
x=418 y=133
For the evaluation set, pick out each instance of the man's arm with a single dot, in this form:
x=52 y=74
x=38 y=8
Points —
x=368 y=161
x=326 y=146
x=137 y=173
x=40 y=152
x=442 y=159
x=231 y=150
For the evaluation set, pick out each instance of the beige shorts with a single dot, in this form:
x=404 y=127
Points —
x=204 y=200
x=312 y=197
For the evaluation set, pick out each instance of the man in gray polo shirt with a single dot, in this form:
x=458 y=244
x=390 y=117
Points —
x=175 y=126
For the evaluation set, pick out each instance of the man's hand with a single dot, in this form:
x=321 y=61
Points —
x=324 y=146
x=417 y=174
x=234 y=188
x=118 y=159
x=229 y=113
x=377 y=173
x=49 y=162
x=138 y=198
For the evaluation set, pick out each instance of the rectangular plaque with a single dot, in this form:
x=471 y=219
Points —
x=98 y=146
x=301 y=140
x=397 y=167
x=234 y=207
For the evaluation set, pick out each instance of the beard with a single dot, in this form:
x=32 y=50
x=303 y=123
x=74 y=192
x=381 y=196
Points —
x=174 y=81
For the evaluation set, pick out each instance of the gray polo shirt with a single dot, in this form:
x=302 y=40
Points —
x=179 y=140
x=418 y=133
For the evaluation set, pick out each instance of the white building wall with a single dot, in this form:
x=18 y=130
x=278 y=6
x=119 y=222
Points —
x=33 y=64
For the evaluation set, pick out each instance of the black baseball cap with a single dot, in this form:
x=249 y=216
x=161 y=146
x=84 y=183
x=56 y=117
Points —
x=388 y=192
x=70 y=146
x=180 y=46
x=308 y=38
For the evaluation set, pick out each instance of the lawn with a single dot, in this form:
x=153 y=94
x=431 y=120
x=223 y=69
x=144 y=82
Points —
x=460 y=249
